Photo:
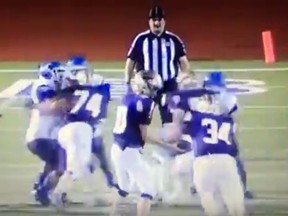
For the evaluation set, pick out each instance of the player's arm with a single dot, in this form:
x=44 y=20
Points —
x=159 y=137
x=44 y=94
x=166 y=137
x=145 y=112
x=58 y=104
x=145 y=116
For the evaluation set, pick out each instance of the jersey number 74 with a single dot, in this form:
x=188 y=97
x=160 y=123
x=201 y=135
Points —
x=88 y=102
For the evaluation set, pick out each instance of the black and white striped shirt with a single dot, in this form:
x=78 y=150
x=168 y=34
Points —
x=158 y=53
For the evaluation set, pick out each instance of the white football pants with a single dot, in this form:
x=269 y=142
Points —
x=218 y=184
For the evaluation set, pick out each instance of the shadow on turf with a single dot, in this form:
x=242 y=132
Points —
x=256 y=207
x=35 y=209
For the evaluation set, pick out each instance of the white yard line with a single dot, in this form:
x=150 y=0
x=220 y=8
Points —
x=266 y=107
x=241 y=128
x=263 y=128
x=244 y=107
x=117 y=70
x=276 y=87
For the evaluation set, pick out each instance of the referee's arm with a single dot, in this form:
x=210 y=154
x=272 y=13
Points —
x=129 y=68
x=183 y=60
x=131 y=60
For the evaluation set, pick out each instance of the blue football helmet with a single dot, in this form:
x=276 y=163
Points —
x=215 y=79
x=51 y=71
x=79 y=69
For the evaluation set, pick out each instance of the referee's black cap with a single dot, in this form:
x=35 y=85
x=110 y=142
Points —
x=156 y=12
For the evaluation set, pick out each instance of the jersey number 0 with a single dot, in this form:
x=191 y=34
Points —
x=121 y=120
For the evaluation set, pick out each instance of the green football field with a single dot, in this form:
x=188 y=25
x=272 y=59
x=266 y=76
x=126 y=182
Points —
x=263 y=125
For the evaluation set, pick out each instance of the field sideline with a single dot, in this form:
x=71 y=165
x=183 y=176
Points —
x=263 y=139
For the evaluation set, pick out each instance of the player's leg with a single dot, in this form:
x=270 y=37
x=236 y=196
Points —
x=39 y=148
x=243 y=174
x=161 y=170
x=205 y=183
x=75 y=138
x=231 y=187
x=45 y=150
x=98 y=149
x=119 y=162
x=182 y=175
x=143 y=178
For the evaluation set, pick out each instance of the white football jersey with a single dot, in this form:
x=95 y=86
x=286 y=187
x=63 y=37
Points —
x=222 y=103
x=35 y=88
x=40 y=126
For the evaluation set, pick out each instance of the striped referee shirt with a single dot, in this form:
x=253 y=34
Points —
x=159 y=53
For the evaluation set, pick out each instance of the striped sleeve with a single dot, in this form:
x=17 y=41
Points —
x=179 y=45
x=135 y=47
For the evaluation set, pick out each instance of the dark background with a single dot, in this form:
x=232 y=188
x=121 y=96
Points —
x=103 y=30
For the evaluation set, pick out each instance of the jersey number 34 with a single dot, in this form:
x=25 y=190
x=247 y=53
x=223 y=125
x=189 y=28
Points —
x=216 y=132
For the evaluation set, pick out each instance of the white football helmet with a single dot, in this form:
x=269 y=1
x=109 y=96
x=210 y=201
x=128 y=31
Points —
x=148 y=82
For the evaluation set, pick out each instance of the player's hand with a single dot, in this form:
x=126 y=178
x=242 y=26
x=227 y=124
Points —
x=175 y=147
x=128 y=88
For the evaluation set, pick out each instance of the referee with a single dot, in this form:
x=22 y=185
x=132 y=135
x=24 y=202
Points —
x=159 y=50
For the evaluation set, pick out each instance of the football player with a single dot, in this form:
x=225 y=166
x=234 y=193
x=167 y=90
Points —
x=84 y=74
x=130 y=133
x=85 y=105
x=211 y=125
x=181 y=158
x=39 y=137
x=212 y=81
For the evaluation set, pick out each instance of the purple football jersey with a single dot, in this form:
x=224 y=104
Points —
x=134 y=110
x=212 y=131
x=212 y=134
x=91 y=103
